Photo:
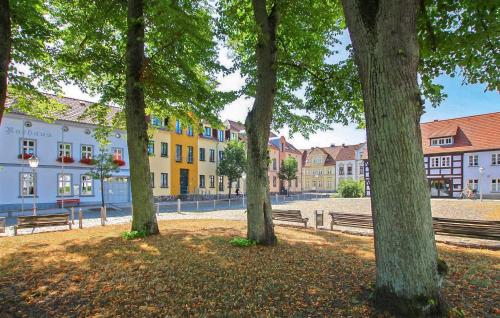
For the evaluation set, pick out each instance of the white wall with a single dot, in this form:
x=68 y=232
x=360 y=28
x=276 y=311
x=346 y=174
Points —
x=47 y=136
x=490 y=171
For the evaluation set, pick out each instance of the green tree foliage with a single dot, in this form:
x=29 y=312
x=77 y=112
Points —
x=233 y=163
x=27 y=59
x=288 y=171
x=351 y=189
x=103 y=167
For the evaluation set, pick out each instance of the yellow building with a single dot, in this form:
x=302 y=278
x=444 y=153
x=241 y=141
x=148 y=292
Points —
x=318 y=171
x=159 y=161
x=184 y=160
x=211 y=143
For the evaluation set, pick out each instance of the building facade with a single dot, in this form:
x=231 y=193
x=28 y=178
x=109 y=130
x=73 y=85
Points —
x=64 y=148
x=460 y=153
x=286 y=150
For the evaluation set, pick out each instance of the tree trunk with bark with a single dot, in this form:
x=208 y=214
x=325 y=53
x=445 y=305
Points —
x=384 y=37
x=5 y=49
x=258 y=123
x=144 y=217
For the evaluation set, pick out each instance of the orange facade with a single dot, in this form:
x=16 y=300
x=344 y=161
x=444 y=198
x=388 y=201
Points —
x=184 y=163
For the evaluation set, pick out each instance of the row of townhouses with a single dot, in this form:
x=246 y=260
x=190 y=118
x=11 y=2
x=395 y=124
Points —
x=460 y=153
x=183 y=160
x=324 y=168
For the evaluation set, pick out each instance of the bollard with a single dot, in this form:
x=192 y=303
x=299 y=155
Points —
x=80 y=218
x=178 y=205
x=73 y=215
x=197 y=205
x=276 y=198
x=243 y=199
x=214 y=204
x=105 y=213
x=102 y=216
x=157 y=208
x=229 y=202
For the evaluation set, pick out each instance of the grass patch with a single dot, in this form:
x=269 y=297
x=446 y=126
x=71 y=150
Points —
x=242 y=242
x=191 y=270
x=132 y=235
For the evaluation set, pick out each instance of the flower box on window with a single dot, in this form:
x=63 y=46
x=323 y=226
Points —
x=66 y=159
x=119 y=162
x=24 y=156
x=87 y=161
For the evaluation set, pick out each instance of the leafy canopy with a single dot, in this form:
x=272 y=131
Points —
x=234 y=161
x=288 y=169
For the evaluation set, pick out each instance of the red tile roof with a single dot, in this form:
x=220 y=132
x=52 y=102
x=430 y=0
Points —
x=473 y=133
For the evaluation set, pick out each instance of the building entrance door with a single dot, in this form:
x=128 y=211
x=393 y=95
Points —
x=184 y=178
x=440 y=188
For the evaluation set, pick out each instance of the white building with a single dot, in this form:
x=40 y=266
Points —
x=461 y=151
x=53 y=180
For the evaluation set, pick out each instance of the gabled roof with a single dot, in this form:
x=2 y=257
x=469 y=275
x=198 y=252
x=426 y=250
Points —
x=234 y=125
x=276 y=141
x=473 y=133
x=74 y=112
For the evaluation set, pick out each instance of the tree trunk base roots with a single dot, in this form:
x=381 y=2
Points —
x=417 y=307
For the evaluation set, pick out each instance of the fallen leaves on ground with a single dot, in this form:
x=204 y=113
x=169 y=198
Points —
x=192 y=270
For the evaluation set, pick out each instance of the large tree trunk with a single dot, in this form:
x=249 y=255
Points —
x=386 y=50
x=143 y=217
x=258 y=123
x=5 y=48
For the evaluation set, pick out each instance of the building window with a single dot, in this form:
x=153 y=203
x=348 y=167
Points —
x=212 y=155
x=178 y=127
x=349 y=170
x=64 y=150
x=221 y=135
x=164 y=149
x=435 y=162
x=64 y=184
x=473 y=184
x=190 y=154
x=234 y=136
x=164 y=180
x=117 y=153
x=152 y=179
x=221 y=155
x=274 y=164
x=27 y=183
x=221 y=183
x=341 y=170
x=202 y=181
x=208 y=132
x=151 y=147
x=274 y=181
x=446 y=161
x=495 y=159
x=86 y=185
x=442 y=141
x=155 y=121
x=314 y=184
x=202 y=154
x=361 y=167
x=86 y=152
x=190 y=130
x=178 y=153
x=212 y=181
x=495 y=185
x=473 y=160
x=28 y=147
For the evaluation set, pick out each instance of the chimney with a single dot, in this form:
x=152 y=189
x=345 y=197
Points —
x=332 y=145
x=435 y=120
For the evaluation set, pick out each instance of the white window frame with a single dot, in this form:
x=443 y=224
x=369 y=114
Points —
x=442 y=141
x=27 y=180
x=118 y=153
x=435 y=162
x=495 y=185
x=473 y=160
x=28 y=146
x=163 y=180
x=446 y=161
x=495 y=159
x=64 y=149
x=86 y=181
x=474 y=183
x=86 y=151
x=63 y=184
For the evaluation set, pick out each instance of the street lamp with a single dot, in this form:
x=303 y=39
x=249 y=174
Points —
x=33 y=162
x=481 y=172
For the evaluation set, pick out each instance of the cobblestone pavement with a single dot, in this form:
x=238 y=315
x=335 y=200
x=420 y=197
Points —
x=461 y=209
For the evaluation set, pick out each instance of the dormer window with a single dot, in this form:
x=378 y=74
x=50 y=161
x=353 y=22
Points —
x=442 y=141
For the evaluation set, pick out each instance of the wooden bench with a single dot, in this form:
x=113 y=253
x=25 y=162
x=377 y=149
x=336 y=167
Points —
x=68 y=202
x=289 y=216
x=2 y=225
x=35 y=221
x=489 y=230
